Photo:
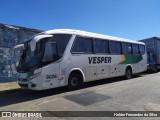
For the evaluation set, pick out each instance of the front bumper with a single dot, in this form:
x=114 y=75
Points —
x=27 y=86
x=25 y=83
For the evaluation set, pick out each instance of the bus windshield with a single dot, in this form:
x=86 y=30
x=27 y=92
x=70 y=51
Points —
x=29 y=59
x=48 y=50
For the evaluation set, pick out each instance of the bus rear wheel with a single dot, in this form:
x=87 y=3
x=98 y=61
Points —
x=128 y=74
x=75 y=81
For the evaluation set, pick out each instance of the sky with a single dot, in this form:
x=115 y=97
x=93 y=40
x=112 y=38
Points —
x=131 y=19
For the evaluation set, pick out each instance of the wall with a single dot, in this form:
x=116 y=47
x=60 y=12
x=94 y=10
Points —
x=9 y=37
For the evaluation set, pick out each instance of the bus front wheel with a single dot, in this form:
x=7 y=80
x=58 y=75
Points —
x=128 y=73
x=75 y=81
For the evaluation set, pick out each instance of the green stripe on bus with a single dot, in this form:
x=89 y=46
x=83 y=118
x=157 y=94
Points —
x=130 y=59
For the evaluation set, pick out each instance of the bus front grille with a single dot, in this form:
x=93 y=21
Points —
x=23 y=85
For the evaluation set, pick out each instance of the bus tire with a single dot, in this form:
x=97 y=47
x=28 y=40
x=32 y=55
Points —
x=128 y=73
x=75 y=81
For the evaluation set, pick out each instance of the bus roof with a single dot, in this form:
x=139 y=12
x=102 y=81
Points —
x=88 y=34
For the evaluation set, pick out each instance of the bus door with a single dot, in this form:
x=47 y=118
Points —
x=17 y=52
x=51 y=71
x=51 y=75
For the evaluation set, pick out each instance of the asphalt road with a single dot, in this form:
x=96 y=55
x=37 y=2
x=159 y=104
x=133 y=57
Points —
x=141 y=93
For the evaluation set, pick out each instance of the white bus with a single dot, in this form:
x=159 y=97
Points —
x=65 y=57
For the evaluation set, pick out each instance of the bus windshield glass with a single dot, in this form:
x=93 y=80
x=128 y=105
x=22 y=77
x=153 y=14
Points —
x=48 y=50
x=29 y=59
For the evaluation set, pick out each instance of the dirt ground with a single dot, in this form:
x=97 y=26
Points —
x=8 y=86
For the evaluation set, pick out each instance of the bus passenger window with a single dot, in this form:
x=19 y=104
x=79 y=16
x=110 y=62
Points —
x=115 y=47
x=142 y=49
x=101 y=46
x=127 y=48
x=135 y=48
x=82 y=45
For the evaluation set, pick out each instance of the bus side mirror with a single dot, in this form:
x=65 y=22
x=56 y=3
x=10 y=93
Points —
x=17 y=47
x=17 y=52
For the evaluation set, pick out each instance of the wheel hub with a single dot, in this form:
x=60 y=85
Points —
x=128 y=73
x=74 y=81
